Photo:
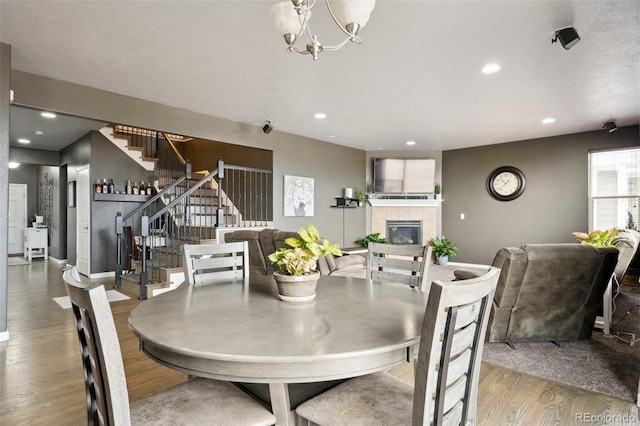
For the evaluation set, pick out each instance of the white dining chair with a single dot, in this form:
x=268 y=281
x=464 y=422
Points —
x=407 y=264
x=213 y=263
x=446 y=382
x=197 y=401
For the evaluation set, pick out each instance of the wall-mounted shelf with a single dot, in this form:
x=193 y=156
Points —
x=346 y=203
x=120 y=197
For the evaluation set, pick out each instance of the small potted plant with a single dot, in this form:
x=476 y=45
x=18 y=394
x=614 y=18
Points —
x=438 y=191
x=372 y=238
x=442 y=249
x=357 y=192
x=297 y=274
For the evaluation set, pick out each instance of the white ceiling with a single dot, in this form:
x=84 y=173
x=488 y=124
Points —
x=415 y=77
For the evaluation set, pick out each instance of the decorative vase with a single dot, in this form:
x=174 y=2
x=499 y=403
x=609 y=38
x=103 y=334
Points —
x=442 y=260
x=296 y=289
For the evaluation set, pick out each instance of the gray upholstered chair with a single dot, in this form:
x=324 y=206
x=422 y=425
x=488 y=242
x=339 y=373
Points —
x=399 y=263
x=549 y=292
x=446 y=382
x=197 y=401
x=212 y=263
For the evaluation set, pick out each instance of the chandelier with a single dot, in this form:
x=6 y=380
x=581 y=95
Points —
x=291 y=20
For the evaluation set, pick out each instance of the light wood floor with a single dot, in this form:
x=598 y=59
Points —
x=41 y=379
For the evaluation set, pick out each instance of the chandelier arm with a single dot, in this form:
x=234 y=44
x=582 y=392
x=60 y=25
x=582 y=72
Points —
x=344 y=30
x=307 y=8
x=338 y=46
x=292 y=48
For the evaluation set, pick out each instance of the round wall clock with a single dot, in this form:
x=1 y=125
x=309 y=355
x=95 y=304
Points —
x=505 y=183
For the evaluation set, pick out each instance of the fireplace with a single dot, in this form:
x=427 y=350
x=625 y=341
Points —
x=404 y=231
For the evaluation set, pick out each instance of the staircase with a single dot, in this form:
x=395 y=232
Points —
x=186 y=208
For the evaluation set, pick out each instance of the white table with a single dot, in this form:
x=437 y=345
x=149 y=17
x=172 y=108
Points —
x=36 y=239
x=242 y=332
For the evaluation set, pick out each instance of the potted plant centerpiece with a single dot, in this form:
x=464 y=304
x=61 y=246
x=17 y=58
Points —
x=297 y=274
x=442 y=249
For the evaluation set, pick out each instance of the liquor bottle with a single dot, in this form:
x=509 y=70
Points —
x=142 y=190
x=148 y=188
x=112 y=187
x=134 y=188
x=127 y=188
x=98 y=186
x=105 y=187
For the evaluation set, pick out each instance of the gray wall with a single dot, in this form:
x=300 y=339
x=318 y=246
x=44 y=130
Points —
x=332 y=166
x=5 y=86
x=74 y=157
x=120 y=167
x=554 y=204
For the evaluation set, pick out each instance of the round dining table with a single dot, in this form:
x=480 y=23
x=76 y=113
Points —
x=241 y=331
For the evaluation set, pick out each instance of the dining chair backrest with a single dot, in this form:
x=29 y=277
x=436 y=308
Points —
x=105 y=380
x=451 y=343
x=213 y=263
x=399 y=263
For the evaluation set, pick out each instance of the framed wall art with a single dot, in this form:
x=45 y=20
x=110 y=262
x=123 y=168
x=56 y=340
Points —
x=298 y=196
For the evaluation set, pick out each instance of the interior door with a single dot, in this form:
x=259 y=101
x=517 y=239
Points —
x=17 y=217
x=83 y=233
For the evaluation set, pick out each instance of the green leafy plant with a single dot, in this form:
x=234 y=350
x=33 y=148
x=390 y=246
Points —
x=438 y=189
x=302 y=257
x=372 y=238
x=443 y=247
x=597 y=238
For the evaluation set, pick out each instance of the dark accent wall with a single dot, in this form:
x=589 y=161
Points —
x=108 y=161
x=554 y=204
x=203 y=155
x=74 y=157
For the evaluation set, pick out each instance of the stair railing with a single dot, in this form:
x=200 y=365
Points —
x=187 y=212
x=122 y=221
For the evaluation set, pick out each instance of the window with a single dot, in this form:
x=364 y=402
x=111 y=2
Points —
x=614 y=183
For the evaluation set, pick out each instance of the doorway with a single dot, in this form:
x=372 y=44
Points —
x=17 y=217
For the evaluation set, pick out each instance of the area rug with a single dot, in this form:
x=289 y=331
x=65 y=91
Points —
x=603 y=364
x=17 y=260
x=112 y=295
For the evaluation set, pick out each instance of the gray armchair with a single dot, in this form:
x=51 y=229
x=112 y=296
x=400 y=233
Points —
x=548 y=292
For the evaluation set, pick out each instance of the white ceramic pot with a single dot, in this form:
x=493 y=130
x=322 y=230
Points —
x=443 y=260
x=296 y=289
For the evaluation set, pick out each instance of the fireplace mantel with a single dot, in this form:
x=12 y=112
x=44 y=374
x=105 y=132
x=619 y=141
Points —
x=403 y=202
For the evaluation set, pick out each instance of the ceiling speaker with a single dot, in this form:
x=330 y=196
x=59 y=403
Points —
x=568 y=37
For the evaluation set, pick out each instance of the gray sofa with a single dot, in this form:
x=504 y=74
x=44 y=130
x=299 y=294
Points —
x=264 y=242
x=548 y=292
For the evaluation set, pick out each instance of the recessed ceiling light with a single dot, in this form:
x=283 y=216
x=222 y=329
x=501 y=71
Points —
x=411 y=142
x=332 y=136
x=48 y=114
x=320 y=116
x=490 y=68
x=13 y=164
x=548 y=120
x=38 y=132
x=380 y=148
x=23 y=140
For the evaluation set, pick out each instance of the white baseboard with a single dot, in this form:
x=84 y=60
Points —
x=57 y=261
x=110 y=274
x=4 y=336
